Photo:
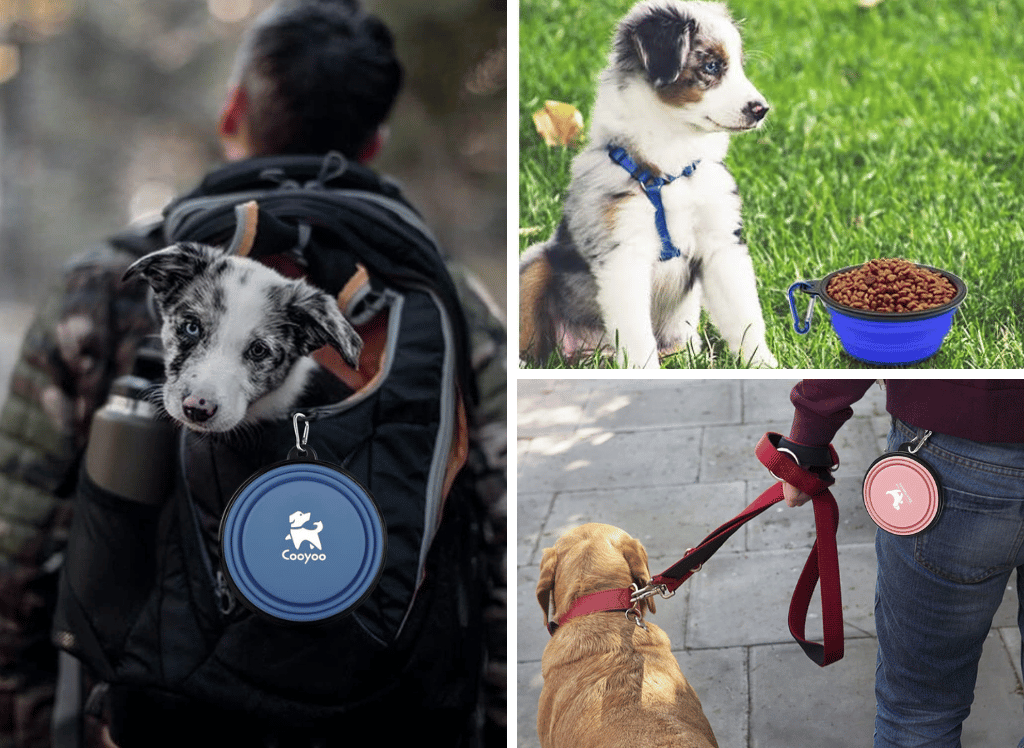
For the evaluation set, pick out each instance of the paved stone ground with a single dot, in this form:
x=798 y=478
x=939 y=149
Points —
x=670 y=460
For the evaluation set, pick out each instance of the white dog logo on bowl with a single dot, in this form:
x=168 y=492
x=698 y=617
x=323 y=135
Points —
x=299 y=534
x=897 y=497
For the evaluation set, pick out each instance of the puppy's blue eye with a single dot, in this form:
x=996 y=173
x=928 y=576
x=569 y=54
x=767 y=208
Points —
x=712 y=67
x=190 y=328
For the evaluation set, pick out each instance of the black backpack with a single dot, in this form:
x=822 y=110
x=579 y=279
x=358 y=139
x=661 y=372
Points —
x=142 y=602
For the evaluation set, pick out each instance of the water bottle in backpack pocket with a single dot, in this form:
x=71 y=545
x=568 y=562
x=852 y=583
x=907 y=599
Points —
x=110 y=562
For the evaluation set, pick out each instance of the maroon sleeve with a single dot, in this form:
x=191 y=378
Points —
x=822 y=407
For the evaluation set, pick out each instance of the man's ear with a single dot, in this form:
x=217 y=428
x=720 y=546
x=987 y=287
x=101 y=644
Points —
x=169 y=270
x=373 y=145
x=233 y=126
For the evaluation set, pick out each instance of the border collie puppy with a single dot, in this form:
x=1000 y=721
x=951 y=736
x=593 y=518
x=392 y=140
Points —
x=237 y=335
x=651 y=227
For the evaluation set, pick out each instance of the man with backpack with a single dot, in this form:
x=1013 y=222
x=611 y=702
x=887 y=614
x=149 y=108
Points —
x=313 y=77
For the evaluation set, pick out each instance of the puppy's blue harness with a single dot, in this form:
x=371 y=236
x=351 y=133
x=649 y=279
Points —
x=651 y=185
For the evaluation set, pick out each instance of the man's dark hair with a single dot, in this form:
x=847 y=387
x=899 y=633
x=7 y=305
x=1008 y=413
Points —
x=319 y=75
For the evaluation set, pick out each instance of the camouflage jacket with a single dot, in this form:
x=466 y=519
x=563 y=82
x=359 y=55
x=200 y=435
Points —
x=85 y=334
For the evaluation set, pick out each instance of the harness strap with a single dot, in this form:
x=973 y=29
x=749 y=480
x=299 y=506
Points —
x=651 y=185
x=822 y=563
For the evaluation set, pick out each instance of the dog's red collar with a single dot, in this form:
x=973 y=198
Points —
x=618 y=600
x=823 y=562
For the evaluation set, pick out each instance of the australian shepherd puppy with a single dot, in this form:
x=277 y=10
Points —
x=651 y=227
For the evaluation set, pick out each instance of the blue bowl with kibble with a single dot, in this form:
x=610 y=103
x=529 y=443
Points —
x=884 y=338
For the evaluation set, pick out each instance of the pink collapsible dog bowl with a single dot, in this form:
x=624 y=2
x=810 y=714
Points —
x=902 y=493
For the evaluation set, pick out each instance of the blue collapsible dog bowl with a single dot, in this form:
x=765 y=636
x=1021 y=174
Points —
x=302 y=542
x=887 y=338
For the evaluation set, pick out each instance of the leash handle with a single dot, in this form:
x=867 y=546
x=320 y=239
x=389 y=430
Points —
x=822 y=562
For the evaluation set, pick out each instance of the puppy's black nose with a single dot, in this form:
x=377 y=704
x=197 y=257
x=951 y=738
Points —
x=756 y=110
x=197 y=409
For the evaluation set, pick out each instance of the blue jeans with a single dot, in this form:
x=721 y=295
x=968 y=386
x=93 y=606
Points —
x=937 y=591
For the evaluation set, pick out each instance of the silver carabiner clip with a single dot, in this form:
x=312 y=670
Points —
x=301 y=439
x=300 y=451
x=915 y=446
x=649 y=591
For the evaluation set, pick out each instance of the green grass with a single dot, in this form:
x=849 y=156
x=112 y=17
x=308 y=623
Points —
x=895 y=132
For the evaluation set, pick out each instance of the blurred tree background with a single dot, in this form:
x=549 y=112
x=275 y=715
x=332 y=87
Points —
x=108 y=108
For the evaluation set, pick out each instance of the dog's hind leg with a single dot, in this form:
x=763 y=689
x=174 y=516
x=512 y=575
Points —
x=536 y=331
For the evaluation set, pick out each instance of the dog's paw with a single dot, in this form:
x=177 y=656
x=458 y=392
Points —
x=624 y=361
x=688 y=345
x=762 y=359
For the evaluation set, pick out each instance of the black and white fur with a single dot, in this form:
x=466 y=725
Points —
x=237 y=335
x=673 y=92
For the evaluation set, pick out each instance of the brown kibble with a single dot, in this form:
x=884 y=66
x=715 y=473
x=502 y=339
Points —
x=891 y=285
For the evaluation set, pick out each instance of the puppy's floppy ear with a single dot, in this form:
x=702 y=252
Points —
x=636 y=556
x=546 y=582
x=318 y=322
x=662 y=43
x=169 y=270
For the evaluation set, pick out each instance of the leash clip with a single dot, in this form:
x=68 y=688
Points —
x=638 y=595
x=650 y=590
x=634 y=613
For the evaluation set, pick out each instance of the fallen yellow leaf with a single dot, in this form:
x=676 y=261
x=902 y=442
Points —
x=558 y=123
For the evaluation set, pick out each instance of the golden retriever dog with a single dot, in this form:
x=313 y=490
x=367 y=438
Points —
x=608 y=682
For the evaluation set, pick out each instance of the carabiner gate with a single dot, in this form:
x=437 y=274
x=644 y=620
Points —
x=803 y=328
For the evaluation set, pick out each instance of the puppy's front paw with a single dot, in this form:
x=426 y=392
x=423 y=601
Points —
x=762 y=358
x=624 y=360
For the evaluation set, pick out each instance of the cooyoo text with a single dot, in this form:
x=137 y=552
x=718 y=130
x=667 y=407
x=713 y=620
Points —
x=303 y=557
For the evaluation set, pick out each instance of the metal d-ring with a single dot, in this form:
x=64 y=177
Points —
x=637 y=617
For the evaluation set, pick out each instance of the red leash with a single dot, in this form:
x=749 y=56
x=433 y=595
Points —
x=822 y=563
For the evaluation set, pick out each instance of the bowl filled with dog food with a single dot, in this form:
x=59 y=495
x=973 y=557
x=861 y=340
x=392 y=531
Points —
x=887 y=311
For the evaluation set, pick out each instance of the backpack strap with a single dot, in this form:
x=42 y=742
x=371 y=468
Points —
x=270 y=172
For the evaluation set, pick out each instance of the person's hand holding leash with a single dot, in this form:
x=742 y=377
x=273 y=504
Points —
x=812 y=458
x=794 y=496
